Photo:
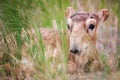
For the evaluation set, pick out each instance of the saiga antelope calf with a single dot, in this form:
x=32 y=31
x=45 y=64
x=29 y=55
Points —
x=82 y=31
x=82 y=28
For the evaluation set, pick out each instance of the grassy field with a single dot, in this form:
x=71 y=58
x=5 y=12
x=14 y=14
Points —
x=24 y=56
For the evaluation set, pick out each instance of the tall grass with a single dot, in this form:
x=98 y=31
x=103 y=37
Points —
x=20 y=21
x=16 y=18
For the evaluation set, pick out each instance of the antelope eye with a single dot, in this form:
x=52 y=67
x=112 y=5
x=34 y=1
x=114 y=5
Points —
x=91 y=26
x=68 y=26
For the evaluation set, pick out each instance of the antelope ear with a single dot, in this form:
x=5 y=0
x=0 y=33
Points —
x=69 y=12
x=103 y=15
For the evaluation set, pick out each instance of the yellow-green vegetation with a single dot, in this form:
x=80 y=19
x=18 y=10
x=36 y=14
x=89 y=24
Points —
x=22 y=51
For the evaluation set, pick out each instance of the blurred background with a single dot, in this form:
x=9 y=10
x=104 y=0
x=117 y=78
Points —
x=22 y=51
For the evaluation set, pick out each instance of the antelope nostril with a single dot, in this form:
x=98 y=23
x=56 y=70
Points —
x=91 y=26
x=74 y=51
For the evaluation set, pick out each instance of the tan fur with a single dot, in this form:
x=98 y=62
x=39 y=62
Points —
x=50 y=36
x=51 y=41
x=80 y=35
x=83 y=40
